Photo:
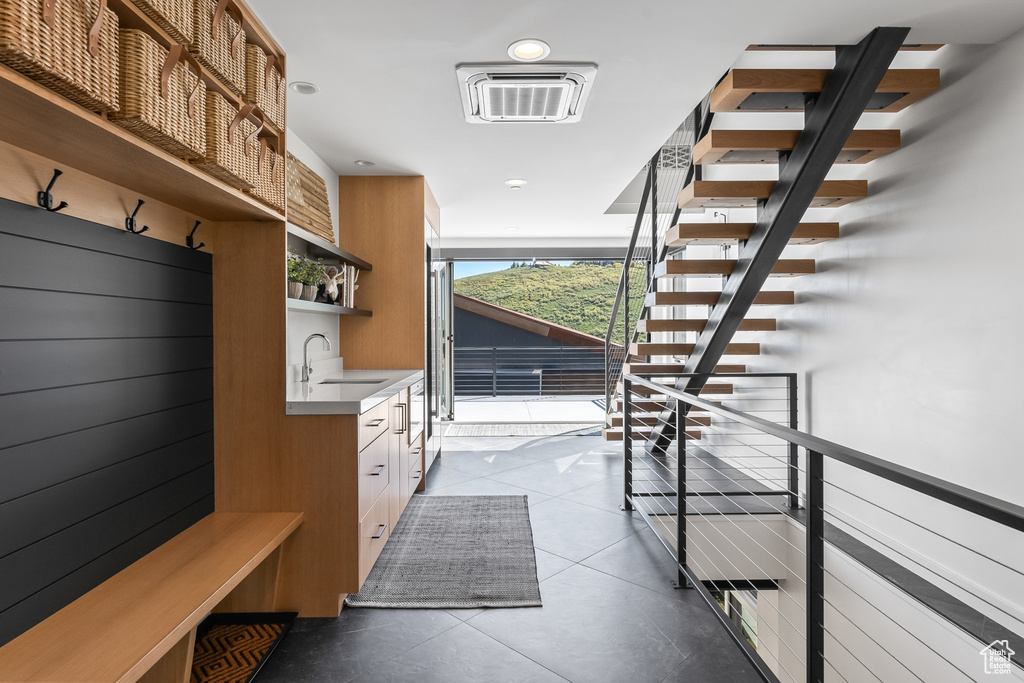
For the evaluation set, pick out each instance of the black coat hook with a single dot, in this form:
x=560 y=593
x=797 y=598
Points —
x=129 y=223
x=45 y=199
x=188 y=238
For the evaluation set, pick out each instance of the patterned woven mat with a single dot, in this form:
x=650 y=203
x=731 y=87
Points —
x=231 y=648
x=454 y=552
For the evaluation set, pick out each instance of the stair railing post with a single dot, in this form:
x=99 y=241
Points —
x=494 y=372
x=794 y=451
x=627 y=443
x=655 y=160
x=815 y=580
x=680 y=414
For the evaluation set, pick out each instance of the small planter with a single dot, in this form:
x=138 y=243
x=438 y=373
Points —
x=308 y=293
x=295 y=290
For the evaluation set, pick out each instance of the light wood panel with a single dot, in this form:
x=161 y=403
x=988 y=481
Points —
x=711 y=298
x=737 y=194
x=713 y=267
x=44 y=123
x=672 y=349
x=739 y=84
x=176 y=665
x=764 y=146
x=126 y=625
x=698 y=324
x=23 y=174
x=686 y=234
x=381 y=219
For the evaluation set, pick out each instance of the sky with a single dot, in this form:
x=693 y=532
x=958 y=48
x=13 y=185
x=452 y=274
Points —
x=468 y=268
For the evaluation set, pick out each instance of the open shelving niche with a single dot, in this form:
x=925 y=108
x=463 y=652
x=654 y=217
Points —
x=311 y=246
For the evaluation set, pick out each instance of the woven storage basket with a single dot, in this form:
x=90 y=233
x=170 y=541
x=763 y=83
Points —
x=227 y=131
x=268 y=172
x=219 y=41
x=161 y=100
x=73 y=51
x=265 y=85
x=174 y=16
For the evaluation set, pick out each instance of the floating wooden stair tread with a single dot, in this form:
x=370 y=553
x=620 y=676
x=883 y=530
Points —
x=739 y=194
x=673 y=349
x=711 y=298
x=716 y=388
x=648 y=405
x=640 y=367
x=650 y=419
x=788 y=89
x=615 y=433
x=698 y=325
x=699 y=234
x=711 y=267
x=764 y=146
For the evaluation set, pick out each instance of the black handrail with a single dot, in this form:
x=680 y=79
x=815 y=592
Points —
x=981 y=504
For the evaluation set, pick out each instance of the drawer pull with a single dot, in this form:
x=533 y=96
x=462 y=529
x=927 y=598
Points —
x=377 y=423
x=418 y=451
x=380 y=532
x=417 y=475
x=380 y=471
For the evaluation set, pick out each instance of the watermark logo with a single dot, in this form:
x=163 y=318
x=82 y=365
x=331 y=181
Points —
x=997 y=657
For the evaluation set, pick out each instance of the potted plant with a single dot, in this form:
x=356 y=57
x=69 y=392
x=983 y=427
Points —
x=313 y=277
x=296 y=269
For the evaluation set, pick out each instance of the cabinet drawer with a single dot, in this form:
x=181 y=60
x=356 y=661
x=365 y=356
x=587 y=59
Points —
x=417 y=465
x=374 y=531
x=372 y=424
x=374 y=473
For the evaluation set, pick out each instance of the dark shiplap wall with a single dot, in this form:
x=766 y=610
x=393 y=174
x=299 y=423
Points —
x=106 y=404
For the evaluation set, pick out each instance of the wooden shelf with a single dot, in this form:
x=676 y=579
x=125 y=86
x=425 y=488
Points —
x=686 y=234
x=312 y=246
x=328 y=309
x=764 y=146
x=40 y=121
x=738 y=194
x=787 y=89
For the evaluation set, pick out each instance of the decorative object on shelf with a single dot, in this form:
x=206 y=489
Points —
x=308 y=206
x=162 y=95
x=333 y=276
x=265 y=84
x=219 y=41
x=174 y=16
x=131 y=225
x=351 y=276
x=45 y=199
x=308 y=275
x=295 y=269
x=229 y=133
x=190 y=240
x=68 y=46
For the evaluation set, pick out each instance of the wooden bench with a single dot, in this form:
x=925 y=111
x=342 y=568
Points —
x=141 y=623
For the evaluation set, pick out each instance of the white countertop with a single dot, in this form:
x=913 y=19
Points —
x=323 y=397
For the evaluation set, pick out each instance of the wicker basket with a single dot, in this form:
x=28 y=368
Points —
x=265 y=85
x=268 y=173
x=219 y=41
x=161 y=100
x=71 y=50
x=174 y=16
x=230 y=142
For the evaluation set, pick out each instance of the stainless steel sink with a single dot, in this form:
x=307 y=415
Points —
x=373 y=380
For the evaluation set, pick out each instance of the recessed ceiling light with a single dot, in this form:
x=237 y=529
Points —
x=364 y=162
x=515 y=183
x=529 y=50
x=304 y=87
x=511 y=228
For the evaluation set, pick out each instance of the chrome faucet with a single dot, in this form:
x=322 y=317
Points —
x=307 y=369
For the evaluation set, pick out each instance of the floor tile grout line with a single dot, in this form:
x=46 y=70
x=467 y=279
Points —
x=521 y=654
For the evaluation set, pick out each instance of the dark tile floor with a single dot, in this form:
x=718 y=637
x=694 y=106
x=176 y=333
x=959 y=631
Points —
x=610 y=612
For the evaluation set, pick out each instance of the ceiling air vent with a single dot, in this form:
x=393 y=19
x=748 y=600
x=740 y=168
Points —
x=516 y=93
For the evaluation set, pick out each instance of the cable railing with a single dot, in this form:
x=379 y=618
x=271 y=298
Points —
x=828 y=563
x=668 y=172
x=529 y=371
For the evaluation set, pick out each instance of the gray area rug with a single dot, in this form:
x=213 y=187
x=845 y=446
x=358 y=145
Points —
x=453 y=552
x=524 y=429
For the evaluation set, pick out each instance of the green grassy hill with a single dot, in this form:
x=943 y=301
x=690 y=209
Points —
x=579 y=296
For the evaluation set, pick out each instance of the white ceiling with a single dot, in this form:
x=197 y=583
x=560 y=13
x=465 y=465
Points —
x=386 y=70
